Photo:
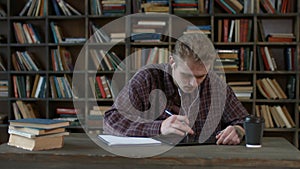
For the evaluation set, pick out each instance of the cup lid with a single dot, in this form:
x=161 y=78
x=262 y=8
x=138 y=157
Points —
x=254 y=119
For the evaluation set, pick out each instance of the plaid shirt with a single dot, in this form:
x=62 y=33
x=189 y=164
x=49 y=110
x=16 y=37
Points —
x=146 y=80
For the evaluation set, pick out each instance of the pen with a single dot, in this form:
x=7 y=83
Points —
x=219 y=132
x=168 y=112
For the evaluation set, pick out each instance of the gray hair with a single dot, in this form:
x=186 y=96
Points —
x=197 y=46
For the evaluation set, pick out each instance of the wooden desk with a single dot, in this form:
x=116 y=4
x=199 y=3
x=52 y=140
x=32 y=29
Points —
x=80 y=152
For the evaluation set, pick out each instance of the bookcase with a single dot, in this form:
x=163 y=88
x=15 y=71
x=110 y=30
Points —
x=212 y=13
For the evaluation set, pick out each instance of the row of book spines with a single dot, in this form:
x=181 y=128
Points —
x=101 y=87
x=145 y=56
x=61 y=7
x=106 y=60
x=26 y=33
x=61 y=87
x=40 y=7
x=234 y=30
x=24 y=61
x=34 y=8
x=243 y=58
x=275 y=116
x=278 y=6
x=235 y=60
x=58 y=35
x=235 y=6
x=61 y=59
x=203 y=6
x=270 y=89
x=56 y=32
x=247 y=6
x=266 y=61
x=229 y=30
x=24 y=110
x=23 y=87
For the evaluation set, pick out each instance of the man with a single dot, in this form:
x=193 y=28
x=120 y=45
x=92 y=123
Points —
x=203 y=107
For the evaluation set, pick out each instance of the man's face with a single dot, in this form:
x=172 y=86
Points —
x=189 y=74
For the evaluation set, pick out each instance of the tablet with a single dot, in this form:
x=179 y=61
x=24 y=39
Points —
x=179 y=141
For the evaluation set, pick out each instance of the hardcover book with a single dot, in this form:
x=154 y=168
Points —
x=39 y=123
x=39 y=143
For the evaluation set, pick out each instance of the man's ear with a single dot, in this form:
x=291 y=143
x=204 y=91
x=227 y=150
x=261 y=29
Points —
x=171 y=61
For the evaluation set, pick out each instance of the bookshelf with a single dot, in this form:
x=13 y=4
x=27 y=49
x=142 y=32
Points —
x=211 y=14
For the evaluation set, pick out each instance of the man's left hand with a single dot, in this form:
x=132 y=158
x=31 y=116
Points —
x=231 y=135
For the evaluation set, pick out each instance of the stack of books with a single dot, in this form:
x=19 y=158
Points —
x=206 y=29
x=228 y=60
x=3 y=88
x=281 y=37
x=185 y=7
x=157 y=6
x=113 y=7
x=68 y=114
x=242 y=89
x=37 y=134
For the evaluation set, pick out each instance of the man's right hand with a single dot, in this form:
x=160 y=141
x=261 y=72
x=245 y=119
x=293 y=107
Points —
x=176 y=124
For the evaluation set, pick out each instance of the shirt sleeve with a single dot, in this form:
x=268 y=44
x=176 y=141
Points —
x=234 y=112
x=138 y=90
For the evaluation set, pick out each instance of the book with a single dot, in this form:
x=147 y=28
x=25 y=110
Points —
x=280 y=90
x=283 y=117
x=264 y=59
x=30 y=135
x=2 y=67
x=101 y=87
x=267 y=6
x=275 y=117
x=39 y=123
x=279 y=39
x=261 y=31
x=151 y=22
x=72 y=9
x=225 y=6
x=268 y=89
x=39 y=143
x=2 y=11
x=288 y=116
x=262 y=89
x=71 y=111
x=37 y=131
x=127 y=141
x=269 y=58
x=264 y=114
x=25 y=8
x=105 y=85
x=27 y=109
x=291 y=87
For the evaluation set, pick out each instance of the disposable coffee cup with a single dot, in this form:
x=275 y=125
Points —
x=254 y=127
